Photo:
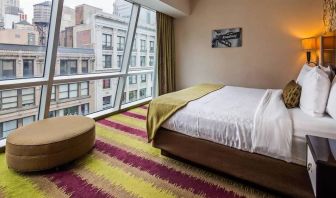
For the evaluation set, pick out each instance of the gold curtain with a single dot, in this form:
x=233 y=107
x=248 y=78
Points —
x=329 y=15
x=166 y=53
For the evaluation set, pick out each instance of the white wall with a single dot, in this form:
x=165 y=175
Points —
x=271 y=54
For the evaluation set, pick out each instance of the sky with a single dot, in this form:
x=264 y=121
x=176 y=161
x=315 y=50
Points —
x=106 y=5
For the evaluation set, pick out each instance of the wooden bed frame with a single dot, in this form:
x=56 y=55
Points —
x=285 y=178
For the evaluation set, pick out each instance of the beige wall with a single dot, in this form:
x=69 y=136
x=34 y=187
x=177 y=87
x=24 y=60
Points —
x=271 y=54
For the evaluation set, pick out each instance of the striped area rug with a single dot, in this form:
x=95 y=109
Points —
x=122 y=164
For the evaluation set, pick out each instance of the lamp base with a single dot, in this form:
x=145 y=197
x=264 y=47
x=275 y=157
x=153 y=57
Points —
x=308 y=57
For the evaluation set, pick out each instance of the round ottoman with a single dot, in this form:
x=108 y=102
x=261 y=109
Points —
x=49 y=143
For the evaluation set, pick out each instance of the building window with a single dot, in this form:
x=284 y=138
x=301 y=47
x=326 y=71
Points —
x=31 y=39
x=7 y=69
x=71 y=111
x=52 y=114
x=68 y=67
x=73 y=90
x=84 y=109
x=143 y=45
x=143 y=78
x=142 y=61
x=123 y=98
x=28 y=120
x=107 y=41
x=107 y=61
x=106 y=83
x=85 y=66
x=132 y=79
x=84 y=88
x=63 y=91
x=151 y=46
x=134 y=45
x=28 y=68
x=119 y=61
x=8 y=127
x=133 y=61
x=120 y=43
x=53 y=93
x=9 y=99
x=151 y=61
x=106 y=102
x=133 y=95
x=28 y=97
x=143 y=93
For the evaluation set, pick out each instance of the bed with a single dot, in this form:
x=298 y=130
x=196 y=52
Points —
x=220 y=131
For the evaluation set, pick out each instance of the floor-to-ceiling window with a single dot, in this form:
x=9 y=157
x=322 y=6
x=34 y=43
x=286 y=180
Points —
x=140 y=84
x=96 y=68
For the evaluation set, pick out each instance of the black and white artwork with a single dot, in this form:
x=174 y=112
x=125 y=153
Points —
x=231 y=37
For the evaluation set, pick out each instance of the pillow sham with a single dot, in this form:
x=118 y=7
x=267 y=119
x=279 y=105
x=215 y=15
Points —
x=304 y=70
x=315 y=92
x=331 y=106
x=291 y=94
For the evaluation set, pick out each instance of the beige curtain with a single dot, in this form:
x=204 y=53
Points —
x=166 y=53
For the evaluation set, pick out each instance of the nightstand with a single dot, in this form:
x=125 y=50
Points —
x=321 y=165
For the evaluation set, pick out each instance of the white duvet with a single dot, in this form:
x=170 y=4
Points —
x=240 y=118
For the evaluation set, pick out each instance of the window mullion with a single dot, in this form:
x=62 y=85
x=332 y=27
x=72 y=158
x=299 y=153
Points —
x=127 y=53
x=51 y=56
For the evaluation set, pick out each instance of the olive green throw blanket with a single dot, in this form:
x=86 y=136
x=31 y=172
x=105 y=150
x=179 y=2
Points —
x=163 y=107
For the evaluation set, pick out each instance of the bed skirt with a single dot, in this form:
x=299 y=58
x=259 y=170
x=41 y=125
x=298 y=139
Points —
x=286 y=178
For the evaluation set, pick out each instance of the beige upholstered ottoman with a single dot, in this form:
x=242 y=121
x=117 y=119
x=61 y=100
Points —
x=49 y=143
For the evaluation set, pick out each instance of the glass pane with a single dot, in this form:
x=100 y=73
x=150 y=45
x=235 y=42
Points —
x=138 y=87
x=23 y=38
x=143 y=58
x=18 y=107
x=94 y=35
x=83 y=98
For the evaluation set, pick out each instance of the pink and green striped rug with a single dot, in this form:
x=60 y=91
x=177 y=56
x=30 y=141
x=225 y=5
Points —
x=123 y=164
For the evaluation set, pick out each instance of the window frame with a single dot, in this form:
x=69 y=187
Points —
x=120 y=43
x=87 y=66
x=48 y=79
x=68 y=67
x=105 y=56
x=2 y=68
x=107 y=41
x=32 y=67
x=107 y=82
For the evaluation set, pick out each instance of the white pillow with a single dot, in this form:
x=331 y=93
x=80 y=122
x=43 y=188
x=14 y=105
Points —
x=331 y=106
x=305 y=69
x=315 y=92
x=329 y=71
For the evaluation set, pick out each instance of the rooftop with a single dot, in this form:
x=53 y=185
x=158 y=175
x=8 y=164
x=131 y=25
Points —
x=46 y=3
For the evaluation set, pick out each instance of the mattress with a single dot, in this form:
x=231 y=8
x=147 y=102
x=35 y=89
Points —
x=303 y=125
x=226 y=117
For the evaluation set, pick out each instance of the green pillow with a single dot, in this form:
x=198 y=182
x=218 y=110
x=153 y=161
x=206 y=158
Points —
x=291 y=94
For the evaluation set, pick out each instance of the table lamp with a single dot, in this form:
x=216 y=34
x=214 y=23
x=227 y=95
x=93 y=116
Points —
x=308 y=44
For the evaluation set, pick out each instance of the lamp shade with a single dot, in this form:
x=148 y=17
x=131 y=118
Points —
x=308 y=43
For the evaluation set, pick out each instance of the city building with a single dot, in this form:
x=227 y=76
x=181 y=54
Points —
x=23 y=33
x=12 y=7
x=84 y=13
x=2 y=13
x=68 y=18
x=19 y=106
x=106 y=33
